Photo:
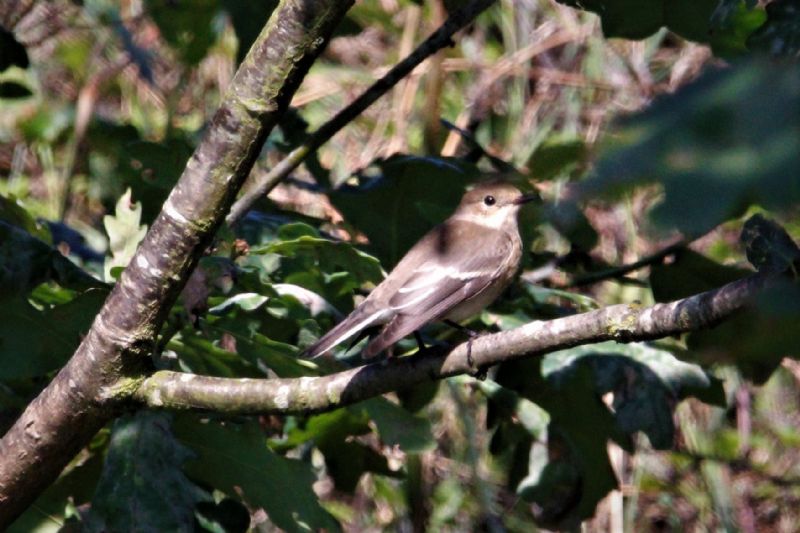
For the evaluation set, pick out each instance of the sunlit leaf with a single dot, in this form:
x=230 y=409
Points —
x=331 y=255
x=124 y=232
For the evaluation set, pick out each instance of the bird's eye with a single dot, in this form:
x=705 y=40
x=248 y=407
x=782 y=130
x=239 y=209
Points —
x=489 y=200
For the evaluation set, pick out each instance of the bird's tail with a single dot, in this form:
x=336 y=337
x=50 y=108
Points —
x=355 y=322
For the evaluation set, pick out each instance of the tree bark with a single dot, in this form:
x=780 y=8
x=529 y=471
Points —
x=113 y=356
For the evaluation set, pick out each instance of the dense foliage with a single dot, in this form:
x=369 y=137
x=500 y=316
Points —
x=653 y=150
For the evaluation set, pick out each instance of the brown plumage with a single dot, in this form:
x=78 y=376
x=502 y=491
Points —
x=453 y=272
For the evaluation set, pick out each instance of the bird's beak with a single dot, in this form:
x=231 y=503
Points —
x=525 y=198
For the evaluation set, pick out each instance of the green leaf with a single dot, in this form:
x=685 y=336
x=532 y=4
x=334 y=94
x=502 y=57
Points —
x=416 y=397
x=124 y=232
x=647 y=383
x=347 y=461
x=725 y=142
x=567 y=488
x=780 y=34
x=690 y=273
x=325 y=429
x=245 y=317
x=769 y=248
x=557 y=157
x=569 y=474
x=529 y=415
x=248 y=20
x=48 y=123
x=186 y=26
x=279 y=357
x=13 y=212
x=235 y=459
x=227 y=516
x=733 y=23
x=403 y=195
x=143 y=487
x=570 y=222
x=398 y=426
x=632 y=19
x=723 y=24
x=34 y=343
x=74 y=487
x=330 y=256
x=246 y=301
x=200 y=355
x=757 y=339
x=26 y=262
x=554 y=483
x=151 y=169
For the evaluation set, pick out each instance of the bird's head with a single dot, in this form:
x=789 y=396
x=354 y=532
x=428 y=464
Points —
x=493 y=204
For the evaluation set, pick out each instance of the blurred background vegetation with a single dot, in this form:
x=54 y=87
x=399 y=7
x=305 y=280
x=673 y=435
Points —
x=657 y=148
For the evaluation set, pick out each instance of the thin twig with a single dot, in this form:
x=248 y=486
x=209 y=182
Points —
x=439 y=39
x=620 y=271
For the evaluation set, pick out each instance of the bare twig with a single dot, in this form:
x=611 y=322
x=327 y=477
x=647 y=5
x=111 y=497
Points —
x=617 y=272
x=624 y=323
x=439 y=39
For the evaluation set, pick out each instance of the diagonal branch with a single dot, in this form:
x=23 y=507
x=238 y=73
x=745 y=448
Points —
x=78 y=402
x=438 y=40
x=623 y=323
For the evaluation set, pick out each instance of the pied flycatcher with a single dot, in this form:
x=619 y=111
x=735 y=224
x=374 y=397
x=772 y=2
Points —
x=452 y=273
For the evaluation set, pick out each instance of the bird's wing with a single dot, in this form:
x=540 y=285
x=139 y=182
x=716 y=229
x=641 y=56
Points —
x=437 y=285
x=355 y=323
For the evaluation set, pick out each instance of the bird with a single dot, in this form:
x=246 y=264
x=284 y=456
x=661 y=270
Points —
x=457 y=269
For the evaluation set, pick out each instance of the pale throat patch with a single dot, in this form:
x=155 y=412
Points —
x=499 y=219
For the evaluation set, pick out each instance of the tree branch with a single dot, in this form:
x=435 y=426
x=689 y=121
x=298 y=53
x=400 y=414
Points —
x=619 y=271
x=623 y=323
x=439 y=39
x=84 y=396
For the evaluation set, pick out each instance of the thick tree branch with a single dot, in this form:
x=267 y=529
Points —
x=623 y=323
x=438 y=40
x=84 y=396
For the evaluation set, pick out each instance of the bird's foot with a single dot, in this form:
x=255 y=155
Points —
x=476 y=371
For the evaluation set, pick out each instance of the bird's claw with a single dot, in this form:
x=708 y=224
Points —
x=476 y=372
